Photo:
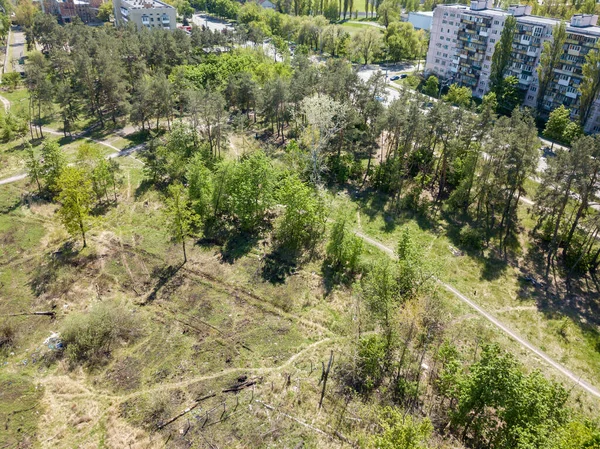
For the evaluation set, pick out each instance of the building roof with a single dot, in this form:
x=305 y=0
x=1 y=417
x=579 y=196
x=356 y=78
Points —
x=145 y=4
x=421 y=13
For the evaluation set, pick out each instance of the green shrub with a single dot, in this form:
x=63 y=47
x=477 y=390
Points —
x=371 y=357
x=472 y=238
x=89 y=337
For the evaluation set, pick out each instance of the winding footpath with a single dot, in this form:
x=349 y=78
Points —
x=82 y=135
x=512 y=334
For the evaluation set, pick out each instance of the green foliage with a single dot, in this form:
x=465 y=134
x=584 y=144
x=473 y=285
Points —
x=216 y=70
x=76 y=198
x=370 y=362
x=201 y=186
x=590 y=85
x=105 y=11
x=414 y=274
x=303 y=223
x=502 y=54
x=552 y=52
x=344 y=248
x=459 y=96
x=90 y=337
x=249 y=190
x=403 y=41
x=13 y=125
x=557 y=124
x=432 y=86
x=388 y=12
x=180 y=218
x=472 y=238
x=34 y=167
x=11 y=80
x=366 y=45
x=500 y=407
x=401 y=430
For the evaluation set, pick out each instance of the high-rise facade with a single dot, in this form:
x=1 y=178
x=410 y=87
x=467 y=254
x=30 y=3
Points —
x=463 y=39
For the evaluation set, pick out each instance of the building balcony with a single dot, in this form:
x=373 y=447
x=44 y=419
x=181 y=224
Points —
x=564 y=82
x=571 y=94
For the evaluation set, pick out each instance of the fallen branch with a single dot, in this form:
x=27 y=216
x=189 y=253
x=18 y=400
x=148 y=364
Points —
x=186 y=411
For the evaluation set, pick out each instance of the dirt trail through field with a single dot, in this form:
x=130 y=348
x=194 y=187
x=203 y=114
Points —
x=512 y=334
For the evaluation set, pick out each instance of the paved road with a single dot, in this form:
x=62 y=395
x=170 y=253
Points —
x=17 y=51
x=210 y=22
x=524 y=343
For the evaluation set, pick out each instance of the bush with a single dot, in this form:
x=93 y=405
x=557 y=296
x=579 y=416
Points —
x=89 y=337
x=7 y=335
x=371 y=356
x=472 y=238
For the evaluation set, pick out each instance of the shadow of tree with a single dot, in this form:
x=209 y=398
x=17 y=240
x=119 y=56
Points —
x=279 y=264
x=163 y=275
x=46 y=274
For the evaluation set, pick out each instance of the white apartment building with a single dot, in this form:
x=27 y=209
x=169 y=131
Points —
x=145 y=13
x=463 y=40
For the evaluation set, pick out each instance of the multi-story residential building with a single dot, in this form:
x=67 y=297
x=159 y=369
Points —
x=145 y=13
x=463 y=40
x=67 y=10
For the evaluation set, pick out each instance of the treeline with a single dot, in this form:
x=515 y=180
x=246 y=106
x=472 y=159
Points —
x=400 y=41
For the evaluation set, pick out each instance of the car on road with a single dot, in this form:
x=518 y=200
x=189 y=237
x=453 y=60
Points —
x=394 y=78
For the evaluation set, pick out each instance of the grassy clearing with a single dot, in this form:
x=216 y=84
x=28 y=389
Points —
x=19 y=410
x=203 y=326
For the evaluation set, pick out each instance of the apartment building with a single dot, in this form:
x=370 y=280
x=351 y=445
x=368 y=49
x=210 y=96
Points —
x=67 y=10
x=145 y=13
x=463 y=40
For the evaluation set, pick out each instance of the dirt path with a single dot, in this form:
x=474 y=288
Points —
x=512 y=334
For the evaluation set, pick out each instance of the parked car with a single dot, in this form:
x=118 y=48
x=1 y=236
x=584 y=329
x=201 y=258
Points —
x=403 y=75
x=394 y=78
x=380 y=99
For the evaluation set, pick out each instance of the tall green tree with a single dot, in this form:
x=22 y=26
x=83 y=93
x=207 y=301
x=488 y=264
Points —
x=549 y=60
x=34 y=167
x=53 y=165
x=590 y=85
x=76 y=198
x=179 y=215
x=502 y=54
x=303 y=223
x=557 y=124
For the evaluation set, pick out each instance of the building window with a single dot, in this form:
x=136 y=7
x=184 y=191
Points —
x=530 y=97
x=496 y=22
x=445 y=55
x=533 y=89
x=488 y=58
x=492 y=40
